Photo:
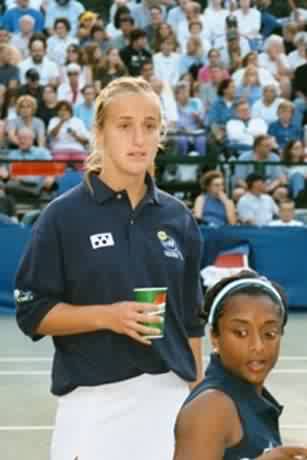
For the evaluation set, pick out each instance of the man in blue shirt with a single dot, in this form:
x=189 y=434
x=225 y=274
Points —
x=12 y=16
x=85 y=111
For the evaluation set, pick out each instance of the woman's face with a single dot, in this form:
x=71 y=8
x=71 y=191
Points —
x=248 y=340
x=164 y=30
x=297 y=152
x=72 y=54
x=251 y=76
x=230 y=91
x=130 y=135
x=269 y=94
x=253 y=59
x=61 y=30
x=216 y=187
x=26 y=109
x=49 y=95
x=214 y=58
x=113 y=56
x=64 y=113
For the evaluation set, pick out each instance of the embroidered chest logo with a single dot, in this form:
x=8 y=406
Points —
x=169 y=245
x=101 y=240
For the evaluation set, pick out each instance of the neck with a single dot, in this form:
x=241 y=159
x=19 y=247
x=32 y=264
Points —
x=134 y=186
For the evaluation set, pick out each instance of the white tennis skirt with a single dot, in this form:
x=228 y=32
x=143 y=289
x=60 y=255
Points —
x=132 y=420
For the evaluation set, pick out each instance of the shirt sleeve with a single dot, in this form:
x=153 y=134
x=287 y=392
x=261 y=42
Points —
x=193 y=294
x=40 y=276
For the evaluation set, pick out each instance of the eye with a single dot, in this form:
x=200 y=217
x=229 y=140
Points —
x=151 y=127
x=124 y=126
x=241 y=333
x=271 y=334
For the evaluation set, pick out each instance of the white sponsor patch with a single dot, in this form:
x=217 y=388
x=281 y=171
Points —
x=101 y=240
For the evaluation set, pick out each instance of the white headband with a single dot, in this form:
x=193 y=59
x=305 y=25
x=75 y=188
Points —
x=241 y=282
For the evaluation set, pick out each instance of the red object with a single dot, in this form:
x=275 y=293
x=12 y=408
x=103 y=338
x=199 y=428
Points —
x=231 y=260
x=37 y=168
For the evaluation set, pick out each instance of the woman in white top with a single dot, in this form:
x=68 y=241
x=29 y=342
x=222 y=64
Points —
x=166 y=63
x=274 y=58
x=265 y=76
x=214 y=20
x=267 y=107
x=299 y=56
x=68 y=136
x=58 y=43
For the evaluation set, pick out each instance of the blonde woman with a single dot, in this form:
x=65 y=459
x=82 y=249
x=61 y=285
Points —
x=250 y=87
x=119 y=391
x=26 y=107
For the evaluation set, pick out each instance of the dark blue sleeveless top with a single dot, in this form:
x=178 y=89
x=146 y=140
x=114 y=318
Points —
x=258 y=414
x=214 y=212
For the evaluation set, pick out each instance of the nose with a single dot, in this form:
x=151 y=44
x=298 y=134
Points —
x=138 y=135
x=256 y=342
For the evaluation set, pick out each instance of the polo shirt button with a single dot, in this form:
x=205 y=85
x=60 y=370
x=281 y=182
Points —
x=119 y=196
x=131 y=221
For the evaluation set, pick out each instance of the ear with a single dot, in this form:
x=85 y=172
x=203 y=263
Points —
x=214 y=339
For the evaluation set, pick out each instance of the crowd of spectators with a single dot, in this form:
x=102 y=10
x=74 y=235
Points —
x=231 y=76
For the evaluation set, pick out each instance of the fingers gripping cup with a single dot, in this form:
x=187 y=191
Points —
x=156 y=296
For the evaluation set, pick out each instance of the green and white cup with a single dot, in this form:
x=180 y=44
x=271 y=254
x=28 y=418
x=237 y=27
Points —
x=157 y=296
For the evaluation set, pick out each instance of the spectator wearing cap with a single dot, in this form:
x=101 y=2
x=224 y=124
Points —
x=32 y=86
x=26 y=108
x=58 y=43
x=126 y=25
x=71 y=9
x=85 y=110
x=21 y=39
x=135 y=53
x=256 y=207
x=12 y=16
x=262 y=152
x=68 y=136
x=9 y=74
x=71 y=90
x=166 y=62
x=38 y=60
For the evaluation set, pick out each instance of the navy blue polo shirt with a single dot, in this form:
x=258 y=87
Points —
x=91 y=247
x=258 y=414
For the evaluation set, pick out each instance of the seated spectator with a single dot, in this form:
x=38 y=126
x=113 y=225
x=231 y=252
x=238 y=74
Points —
x=21 y=39
x=126 y=25
x=26 y=108
x=9 y=74
x=85 y=111
x=87 y=20
x=299 y=56
x=71 y=91
x=12 y=16
x=120 y=11
x=67 y=134
x=208 y=92
x=156 y=19
x=212 y=206
x=30 y=186
x=233 y=50
x=71 y=9
x=141 y=13
x=274 y=59
x=214 y=60
x=265 y=76
x=242 y=130
x=249 y=22
x=47 y=108
x=135 y=53
x=250 y=88
x=193 y=58
x=196 y=30
x=286 y=216
x=295 y=167
x=58 y=43
x=256 y=207
x=267 y=107
x=75 y=55
x=38 y=60
x=108 y=69
x=166 y=62
x=177 y=14
x=99 y=36
x=285 y=128
x=262 y=152
x=223 y=109
x=190 y=119
x=32 y=86
x=215 y=20
x=164 y=31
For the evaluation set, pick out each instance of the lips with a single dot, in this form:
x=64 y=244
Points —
x=256 y=365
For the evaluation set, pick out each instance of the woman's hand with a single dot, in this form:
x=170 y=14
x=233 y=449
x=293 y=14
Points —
x=128 y=318
x=285 y=453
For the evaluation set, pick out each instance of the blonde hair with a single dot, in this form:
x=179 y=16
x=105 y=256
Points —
x=26 y=100
x=123 y=85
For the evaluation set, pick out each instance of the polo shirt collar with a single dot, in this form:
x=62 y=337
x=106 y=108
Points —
x=102 y=192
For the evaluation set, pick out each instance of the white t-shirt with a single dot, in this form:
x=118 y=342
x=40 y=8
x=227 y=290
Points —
x=214 y=23
x=64 y=140
x=47 y=70
x=249 y=24
x=166 y=68
x=267 y=113
x=281 y=223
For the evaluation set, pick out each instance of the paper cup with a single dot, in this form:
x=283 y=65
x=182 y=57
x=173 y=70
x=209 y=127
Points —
x=156 y=296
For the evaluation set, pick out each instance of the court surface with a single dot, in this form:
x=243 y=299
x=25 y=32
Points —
x=27 y=408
